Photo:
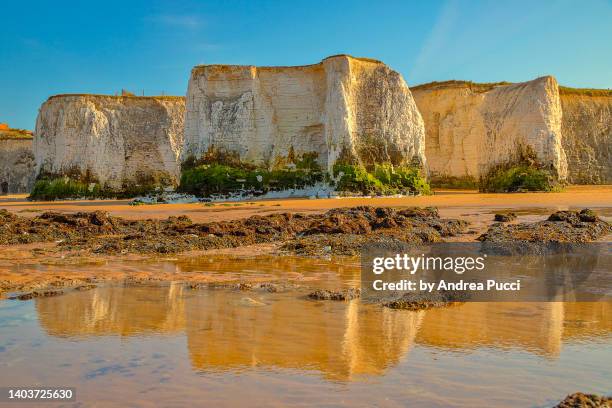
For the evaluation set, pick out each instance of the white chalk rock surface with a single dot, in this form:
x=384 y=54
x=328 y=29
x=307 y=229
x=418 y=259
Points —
x=471 y=128
x=16 y=165
x=587 y=135
x=118 y=141
x=342 y=107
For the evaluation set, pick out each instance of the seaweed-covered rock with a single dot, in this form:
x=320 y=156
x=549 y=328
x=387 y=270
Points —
x=423 y=301
x=344 y=231
x=344 y=294
x=347 y=227
x=561 y=226
x=505 y=217
x=37 y=294
x=580 y=400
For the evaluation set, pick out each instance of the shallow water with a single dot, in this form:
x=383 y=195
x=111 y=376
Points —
x=169 y=345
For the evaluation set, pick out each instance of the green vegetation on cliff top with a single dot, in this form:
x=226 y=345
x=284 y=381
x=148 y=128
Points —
x=474 y=86
x=487 y=86
x=565 y=90
x=15 y=134
x=133 y=97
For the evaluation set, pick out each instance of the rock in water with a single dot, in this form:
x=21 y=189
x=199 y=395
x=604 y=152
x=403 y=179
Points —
x=471 y=128
x=340 y=294
x=341 y=108
x=580 y=400
x=587 y=135
x=112 y=140
x=561 y=226
x=504 y=217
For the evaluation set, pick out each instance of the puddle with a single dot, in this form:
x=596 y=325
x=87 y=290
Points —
x=174 y=345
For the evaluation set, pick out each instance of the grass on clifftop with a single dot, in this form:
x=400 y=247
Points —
x=487 y=86
x=134 y=97
x=474 y=86
x=15 y=134
x=565 y=90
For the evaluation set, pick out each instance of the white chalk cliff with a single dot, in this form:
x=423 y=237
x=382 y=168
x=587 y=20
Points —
x=343 y=107
x=118 y=141
x=471 y=128
x=16 y=165
x=587 y=135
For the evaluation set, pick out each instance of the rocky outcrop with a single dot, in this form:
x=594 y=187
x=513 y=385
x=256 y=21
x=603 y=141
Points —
x=116 y=141
x=587 y=135
x=16 y=165
x=472 y=128
x=345 y=108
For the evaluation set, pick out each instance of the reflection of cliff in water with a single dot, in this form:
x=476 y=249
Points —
x=228 y=330
x=115 y=310
x=338 y=339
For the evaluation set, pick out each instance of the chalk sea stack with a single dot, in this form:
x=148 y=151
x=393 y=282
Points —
x=342 y=109
x=116 y=142
x=587 y=134
x=473 y=128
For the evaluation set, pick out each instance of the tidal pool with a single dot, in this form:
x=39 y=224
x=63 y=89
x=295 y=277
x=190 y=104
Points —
x=165 y=344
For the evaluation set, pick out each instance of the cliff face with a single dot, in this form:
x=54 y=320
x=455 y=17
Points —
x=470 y=128
x=587 y=137
x=343 y=107
x=16 y=165
x=116 y=141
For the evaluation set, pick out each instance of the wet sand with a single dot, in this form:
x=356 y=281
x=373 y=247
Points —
x=451 y=203
x=38 y=265
x=145 y=327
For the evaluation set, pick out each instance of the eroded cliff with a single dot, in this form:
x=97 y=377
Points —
x=116 y=141
x=472 y=128
x=16 y=165
x=587 y=135
x=345 y=108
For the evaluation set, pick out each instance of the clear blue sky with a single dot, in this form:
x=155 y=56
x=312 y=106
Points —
x=51 y=47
